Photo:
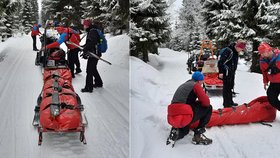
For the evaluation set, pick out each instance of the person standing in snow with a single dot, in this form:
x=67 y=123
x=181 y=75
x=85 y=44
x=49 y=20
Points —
x=91 y=46
x=227 y=65
x=270 y=67
x=68 y=34
x=34 y=32
x=188 y=93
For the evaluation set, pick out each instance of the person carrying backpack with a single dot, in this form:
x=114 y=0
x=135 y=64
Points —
x=270 y=67
x=34 y=32
x=91 y=47
x=227 y=66
x=68 y=34
x=189 y=104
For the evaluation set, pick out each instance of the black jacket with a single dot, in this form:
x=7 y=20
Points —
x=228 y=61
x=92 y=41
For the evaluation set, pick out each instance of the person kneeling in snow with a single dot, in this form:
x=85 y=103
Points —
x=270 y=67
x=185 y=109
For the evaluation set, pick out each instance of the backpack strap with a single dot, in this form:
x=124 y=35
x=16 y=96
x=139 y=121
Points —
x=272 y=66
x=230 y=55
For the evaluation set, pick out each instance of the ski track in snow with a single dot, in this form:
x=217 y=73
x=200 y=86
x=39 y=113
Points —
x=20 y=84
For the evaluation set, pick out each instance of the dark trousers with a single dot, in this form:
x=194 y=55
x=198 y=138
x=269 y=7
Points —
x=203 y=114
x=228 y=84
x=73 y=59
x=34 y=42
x=92 y=72
x=273 y=92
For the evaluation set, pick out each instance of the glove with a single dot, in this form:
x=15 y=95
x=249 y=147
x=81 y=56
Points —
x=85 y=55
x=220 y=76
x=265 y=85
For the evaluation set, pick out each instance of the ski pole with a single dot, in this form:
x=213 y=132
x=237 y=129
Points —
x=83 y=36
x=92 y=54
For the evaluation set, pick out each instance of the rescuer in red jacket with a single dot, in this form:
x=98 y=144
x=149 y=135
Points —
x=34 y=32
x=68 y=34
x=192 y=94
x=270 y=67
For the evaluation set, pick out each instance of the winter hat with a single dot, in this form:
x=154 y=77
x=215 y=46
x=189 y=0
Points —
x=39 y=25
x=264 y=47
x=87 y=22
x=241 y=44
x=197 y=76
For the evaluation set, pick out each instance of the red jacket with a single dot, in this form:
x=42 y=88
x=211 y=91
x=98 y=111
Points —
x=74 y=37
x=201 y=95
x=35 y=30
x=67 y=33
x=267 y=64
x=189 y=93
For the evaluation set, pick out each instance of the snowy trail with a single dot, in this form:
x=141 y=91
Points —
x=107 y=108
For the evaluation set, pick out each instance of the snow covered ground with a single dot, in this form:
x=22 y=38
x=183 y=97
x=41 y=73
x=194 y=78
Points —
x=152 y=88
x=107 y=108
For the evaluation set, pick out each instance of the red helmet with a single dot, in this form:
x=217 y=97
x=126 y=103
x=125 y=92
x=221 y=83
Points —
x=264 y=47
x=87 y=22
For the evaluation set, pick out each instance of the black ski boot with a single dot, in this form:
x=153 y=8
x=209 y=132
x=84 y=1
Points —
x=200 y=138
x=176 y=134
x=173 y=136
x=78 y=70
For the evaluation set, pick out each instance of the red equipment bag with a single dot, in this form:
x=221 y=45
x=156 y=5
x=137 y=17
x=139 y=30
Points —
x=258 y=110
x=179 y=115
x=62 y=73
x=69 y=117
x=212 y=79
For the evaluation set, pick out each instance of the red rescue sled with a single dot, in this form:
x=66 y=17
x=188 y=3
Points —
x=258 y=110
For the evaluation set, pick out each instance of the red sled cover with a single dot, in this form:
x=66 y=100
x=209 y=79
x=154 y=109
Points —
x=67 y=120
x=258 y=110
x=179 y=115
x=212 y=79
x=64 y=73
x=61 y=83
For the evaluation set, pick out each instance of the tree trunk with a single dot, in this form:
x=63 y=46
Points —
x=255 y=67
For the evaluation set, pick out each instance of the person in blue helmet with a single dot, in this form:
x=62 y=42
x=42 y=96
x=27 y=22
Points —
x=34 y=32
x=192 y=94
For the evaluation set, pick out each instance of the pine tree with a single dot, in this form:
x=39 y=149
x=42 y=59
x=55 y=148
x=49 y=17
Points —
x=119 y=15
x=190 y=20
x=91 y=8
x=271 y=17
x=65 y=12
x=149 y=27
x=223 y=20
x=27 y=16
x=12 y=15
x=3 y=20
x=254 y=30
